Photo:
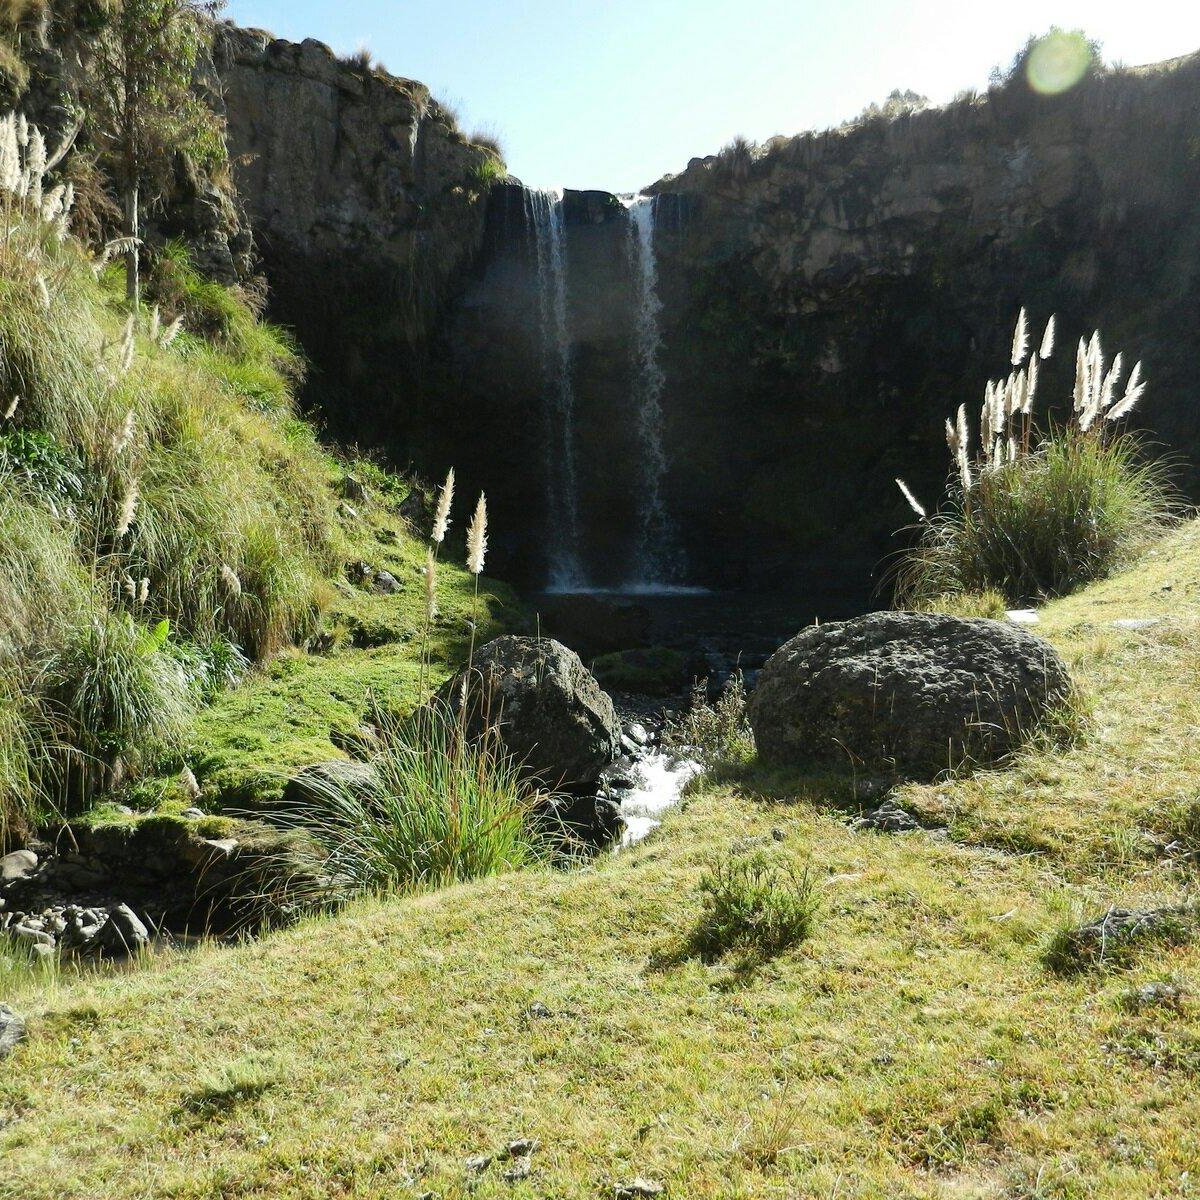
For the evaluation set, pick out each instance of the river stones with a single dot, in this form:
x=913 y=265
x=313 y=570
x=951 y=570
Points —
x=907 y=694
x=547 y=708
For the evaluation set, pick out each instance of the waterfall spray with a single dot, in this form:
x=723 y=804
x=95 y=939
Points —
x=658 y=557
x=544 y=220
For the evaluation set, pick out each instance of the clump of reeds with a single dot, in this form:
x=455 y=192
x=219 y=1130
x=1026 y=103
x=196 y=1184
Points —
x=1035 y=512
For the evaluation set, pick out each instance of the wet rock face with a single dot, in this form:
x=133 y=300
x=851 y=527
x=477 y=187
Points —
x=549 y=710
x=904 y=693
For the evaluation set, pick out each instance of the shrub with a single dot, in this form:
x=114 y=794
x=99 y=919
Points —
x=754 y=904
x=438 y=807
x=719 y=733
x=1035 y=514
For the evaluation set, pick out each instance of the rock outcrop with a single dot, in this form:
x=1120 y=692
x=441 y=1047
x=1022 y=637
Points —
x=547 y=708
x=368 y=207
x=909 y=694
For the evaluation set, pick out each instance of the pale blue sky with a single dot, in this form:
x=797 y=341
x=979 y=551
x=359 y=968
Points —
x=614 y=93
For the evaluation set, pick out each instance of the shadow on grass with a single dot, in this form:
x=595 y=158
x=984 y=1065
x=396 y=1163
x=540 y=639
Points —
x=221 y=1093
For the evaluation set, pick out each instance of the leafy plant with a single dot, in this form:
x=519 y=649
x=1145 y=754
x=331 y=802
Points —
x=719 y=733
x=40 y=462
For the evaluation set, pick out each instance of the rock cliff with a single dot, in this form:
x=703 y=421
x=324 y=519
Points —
x=830 y=299
x=367 y=205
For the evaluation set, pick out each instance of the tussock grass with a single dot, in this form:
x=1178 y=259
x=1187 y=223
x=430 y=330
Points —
x=1035 y=514
x=716 y=733
x=149 y=477
x=754 y=904
x=439 y=808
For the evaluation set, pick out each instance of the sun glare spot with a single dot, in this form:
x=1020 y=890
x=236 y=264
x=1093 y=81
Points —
x=1058 y=62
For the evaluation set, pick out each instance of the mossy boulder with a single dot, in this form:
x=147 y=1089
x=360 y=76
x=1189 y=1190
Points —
x=909 y=694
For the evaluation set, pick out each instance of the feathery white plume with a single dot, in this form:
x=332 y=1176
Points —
x=477 y=537
x=913 y=502
x=124 y=434
x=1031 y=382
x=1047 y=347
x=229 y=577
x=1020 y=346
x=128 y=510
x=441 y=520
x=1133 y=393
x=12 y=407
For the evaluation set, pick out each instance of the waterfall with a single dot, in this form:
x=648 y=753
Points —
x=544 y=220
x=658 y=556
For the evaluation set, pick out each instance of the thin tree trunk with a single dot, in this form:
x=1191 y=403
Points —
x=132 y=279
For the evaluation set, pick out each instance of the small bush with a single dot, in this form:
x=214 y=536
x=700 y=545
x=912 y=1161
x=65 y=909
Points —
x=718 y=734
x=965 y=604
x=753 y=904
x=1035 y=514
x=438 y=807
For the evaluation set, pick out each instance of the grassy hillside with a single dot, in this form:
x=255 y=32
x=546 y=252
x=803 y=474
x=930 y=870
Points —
x=916 y=1044
x=169 y=528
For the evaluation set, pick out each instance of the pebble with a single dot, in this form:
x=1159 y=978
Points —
x=1136 y=622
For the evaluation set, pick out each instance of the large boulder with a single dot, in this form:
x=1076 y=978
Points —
x=550 y=712
x=908 y=694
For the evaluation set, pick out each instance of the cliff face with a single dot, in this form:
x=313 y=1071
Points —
x=828 y=302
x=367 y=207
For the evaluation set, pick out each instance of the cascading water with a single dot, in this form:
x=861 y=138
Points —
x=658 y=557
x=544 y=220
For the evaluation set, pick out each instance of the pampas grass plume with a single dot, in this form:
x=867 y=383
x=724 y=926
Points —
x=477 y=537
x=441 y=520
x=13 y=405
x=229 y=577
x=1047 y=347
x=913 y=502
x=128 y=510
x=1020 y=346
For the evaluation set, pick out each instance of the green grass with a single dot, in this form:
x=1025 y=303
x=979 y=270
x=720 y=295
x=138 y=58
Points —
x=913 y=1044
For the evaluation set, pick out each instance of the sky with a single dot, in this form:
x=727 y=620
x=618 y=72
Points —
x=613 y=94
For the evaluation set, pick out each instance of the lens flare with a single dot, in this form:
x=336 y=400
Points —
x=1058 y=62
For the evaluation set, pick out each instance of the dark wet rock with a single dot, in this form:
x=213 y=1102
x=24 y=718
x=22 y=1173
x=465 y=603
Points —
x=12 y=1029
x=909 y=694
x=547 y=708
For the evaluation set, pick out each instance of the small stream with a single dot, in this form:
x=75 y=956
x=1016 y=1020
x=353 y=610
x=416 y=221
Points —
x=659 y=779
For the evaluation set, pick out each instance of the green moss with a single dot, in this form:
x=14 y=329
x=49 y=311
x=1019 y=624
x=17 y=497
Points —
x=656 y=671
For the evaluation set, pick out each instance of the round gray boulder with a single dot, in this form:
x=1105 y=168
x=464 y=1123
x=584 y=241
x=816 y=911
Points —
x=549 y=711
x=909 y=694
